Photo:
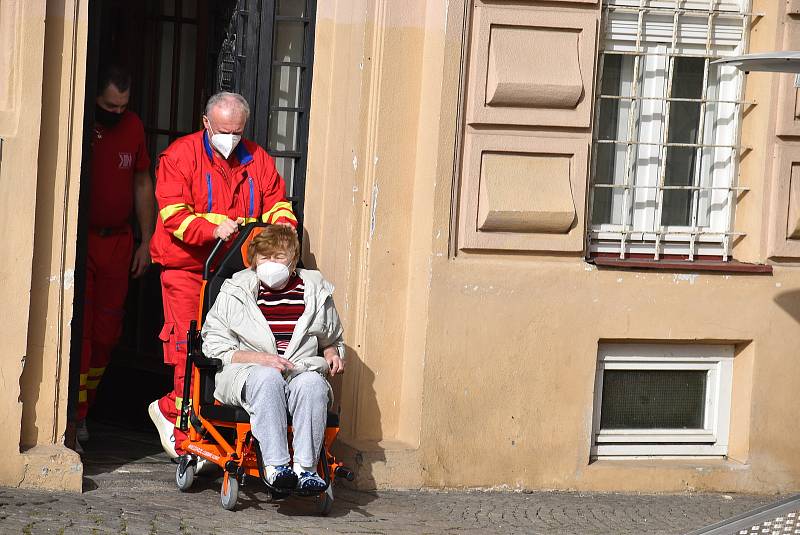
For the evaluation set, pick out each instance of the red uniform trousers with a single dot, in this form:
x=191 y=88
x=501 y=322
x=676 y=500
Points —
x=107 y=270
x=181 y=295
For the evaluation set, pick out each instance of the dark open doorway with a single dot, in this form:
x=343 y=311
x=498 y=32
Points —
x=179 y=52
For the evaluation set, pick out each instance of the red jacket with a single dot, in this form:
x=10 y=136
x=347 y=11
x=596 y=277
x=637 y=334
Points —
x=197 y=189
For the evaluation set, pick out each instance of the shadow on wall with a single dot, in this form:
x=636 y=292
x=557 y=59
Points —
x=359 y=445
x=789 y=301
x=355 y=399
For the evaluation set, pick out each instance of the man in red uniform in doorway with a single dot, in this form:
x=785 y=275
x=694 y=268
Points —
x=207 y=183
x=120 y=183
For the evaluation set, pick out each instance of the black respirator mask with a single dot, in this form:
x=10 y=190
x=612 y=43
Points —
x=106 y=118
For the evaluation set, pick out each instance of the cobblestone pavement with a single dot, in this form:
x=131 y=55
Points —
x=125 y=495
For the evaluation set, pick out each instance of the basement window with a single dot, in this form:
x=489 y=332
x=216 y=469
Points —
x=662 y=400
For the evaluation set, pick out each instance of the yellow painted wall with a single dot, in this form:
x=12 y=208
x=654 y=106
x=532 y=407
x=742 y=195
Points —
x=478 y=369
x=465 y=369
x=42 y=86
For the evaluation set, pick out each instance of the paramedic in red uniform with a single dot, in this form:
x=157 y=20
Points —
x=207 y=183
x=120 y=183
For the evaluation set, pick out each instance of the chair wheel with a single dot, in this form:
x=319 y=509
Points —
x=229 y=498
x=184 y=481
x=325 y=501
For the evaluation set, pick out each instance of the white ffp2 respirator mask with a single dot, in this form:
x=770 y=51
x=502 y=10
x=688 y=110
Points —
x=225 y=143
x=273 y=274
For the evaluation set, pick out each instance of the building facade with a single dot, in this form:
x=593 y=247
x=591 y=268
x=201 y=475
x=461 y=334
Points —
x=566 y=243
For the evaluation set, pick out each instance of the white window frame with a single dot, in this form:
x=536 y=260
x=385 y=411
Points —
x=653 y=32
x=709 y=441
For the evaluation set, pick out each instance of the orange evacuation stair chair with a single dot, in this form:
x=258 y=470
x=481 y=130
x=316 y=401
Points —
x=221 y=433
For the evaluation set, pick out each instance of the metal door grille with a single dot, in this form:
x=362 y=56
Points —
x=267 y=56
x=173 y=70
x=653 y=239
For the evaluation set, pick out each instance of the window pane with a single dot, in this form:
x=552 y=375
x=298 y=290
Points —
x=653 y=399
x=285 y=167
x=186 y=111
x=165 y=75
x=612 y=125
x=189 y=8
x=162 y=142
x=285 y=86
x=283 y=130
x=289 y=37
x=684 y=122
x=292 y=8
x=168 y=7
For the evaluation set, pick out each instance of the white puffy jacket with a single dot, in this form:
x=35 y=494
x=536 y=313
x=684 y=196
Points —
x=236 y=323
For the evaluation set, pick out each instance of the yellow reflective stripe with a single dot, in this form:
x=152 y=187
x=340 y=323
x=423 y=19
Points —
x=184 y=225
x=282 y=205
x=179 y=403
x=214 y=218
x=172 y=209
x=82 y=396
x=219 y=218
x=93 y=384
x=282 y=213
x=84 y=377
x=96 y=372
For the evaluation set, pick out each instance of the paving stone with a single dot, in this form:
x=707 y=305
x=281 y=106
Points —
x=129 y=488
x=147 y=503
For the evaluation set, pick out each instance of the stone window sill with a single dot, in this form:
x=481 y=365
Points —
x=673 y=264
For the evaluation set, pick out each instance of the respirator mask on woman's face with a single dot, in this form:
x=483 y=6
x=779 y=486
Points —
x=224 y=143
x=274 y=275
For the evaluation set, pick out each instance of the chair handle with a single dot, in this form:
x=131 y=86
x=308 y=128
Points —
x=209 y=260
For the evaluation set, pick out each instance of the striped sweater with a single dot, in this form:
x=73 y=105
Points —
x=282 y=308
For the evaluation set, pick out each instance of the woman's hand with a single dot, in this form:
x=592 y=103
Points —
x=334 y=360
x=264 y=359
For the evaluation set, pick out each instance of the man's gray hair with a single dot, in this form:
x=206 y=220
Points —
x=227 y=99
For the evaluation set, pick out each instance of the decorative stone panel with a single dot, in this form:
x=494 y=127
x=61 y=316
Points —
x=565 y=2
x=793 y=221
x=9 y=47
x=518 y=74
x=783 y=240
x=788 y=123
x=523 y=193
x=531 y=67
x=784 y=228
x=788 y=120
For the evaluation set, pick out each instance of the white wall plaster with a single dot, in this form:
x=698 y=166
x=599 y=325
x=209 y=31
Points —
x=690 y=277
x=374 y=207
x=69 y=279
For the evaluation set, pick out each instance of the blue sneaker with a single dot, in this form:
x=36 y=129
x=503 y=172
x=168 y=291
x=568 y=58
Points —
x=280 y=477
x=311 y=482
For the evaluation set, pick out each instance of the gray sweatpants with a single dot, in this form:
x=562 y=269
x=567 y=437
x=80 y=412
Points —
x=306 y=399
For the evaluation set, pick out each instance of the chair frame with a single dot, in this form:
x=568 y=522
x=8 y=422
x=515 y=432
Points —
x=240 y=457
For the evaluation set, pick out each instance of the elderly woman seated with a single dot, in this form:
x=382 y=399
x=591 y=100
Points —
x=278 y=334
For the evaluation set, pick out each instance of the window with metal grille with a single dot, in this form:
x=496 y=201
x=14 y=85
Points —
x=267 y=56
x=666 y=133
x=662 y=400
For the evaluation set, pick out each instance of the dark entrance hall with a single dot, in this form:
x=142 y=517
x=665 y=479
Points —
x=179 y=52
